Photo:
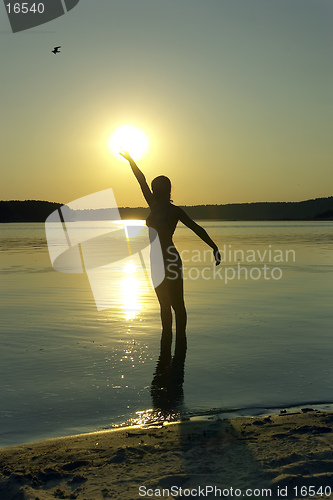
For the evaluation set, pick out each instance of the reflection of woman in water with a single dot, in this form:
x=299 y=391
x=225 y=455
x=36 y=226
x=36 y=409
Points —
x=164 y=217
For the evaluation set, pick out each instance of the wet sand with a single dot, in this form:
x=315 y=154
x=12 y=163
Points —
x=289 y=455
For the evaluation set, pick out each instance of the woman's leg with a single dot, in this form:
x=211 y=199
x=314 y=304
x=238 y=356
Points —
x=176 y=291
x=163 y=296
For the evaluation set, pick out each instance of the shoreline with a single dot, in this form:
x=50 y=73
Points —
x=276 y=453
x=198 y=416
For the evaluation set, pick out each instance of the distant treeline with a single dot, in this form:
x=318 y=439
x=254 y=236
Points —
x=26 y=211
x=317 y=209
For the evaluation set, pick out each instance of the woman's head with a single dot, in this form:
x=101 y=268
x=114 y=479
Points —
x=161 y=187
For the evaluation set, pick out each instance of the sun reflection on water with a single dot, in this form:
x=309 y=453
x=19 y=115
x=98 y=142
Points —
x=154 y=416
x=130 y=292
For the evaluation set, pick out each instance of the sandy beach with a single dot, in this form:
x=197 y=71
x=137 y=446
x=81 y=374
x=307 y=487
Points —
x=288 y=455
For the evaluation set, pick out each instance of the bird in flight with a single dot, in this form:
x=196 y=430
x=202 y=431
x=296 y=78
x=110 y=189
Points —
x=56 y=50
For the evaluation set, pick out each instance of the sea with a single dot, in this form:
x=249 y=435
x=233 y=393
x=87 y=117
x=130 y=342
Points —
x=260 y=332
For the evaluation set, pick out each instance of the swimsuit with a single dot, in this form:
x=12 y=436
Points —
x=165 y=227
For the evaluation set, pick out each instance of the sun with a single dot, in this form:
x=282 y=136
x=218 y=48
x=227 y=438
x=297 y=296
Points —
x=128 y=138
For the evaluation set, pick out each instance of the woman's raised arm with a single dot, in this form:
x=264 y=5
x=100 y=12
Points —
x=149 y=197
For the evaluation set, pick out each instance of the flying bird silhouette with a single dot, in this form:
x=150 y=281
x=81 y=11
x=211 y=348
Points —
x=56 y=50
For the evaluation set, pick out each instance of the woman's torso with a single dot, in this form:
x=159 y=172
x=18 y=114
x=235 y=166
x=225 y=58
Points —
x=164 y=217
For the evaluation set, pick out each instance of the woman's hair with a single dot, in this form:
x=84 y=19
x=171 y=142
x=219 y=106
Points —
x=161 y=187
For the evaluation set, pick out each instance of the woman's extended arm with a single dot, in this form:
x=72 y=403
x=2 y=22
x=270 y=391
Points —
x=201 y=232
x=149 y=197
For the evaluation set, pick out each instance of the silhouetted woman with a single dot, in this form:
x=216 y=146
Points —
x=164 y=217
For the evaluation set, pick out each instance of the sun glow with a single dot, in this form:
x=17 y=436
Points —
x=128 y=138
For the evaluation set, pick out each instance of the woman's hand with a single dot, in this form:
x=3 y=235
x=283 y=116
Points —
x=126 y=155
x=217 y=257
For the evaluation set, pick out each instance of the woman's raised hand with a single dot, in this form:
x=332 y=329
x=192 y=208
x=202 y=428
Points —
x=126 y=155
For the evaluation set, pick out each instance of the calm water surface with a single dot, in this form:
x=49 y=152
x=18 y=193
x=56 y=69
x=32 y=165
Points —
x=258 y=337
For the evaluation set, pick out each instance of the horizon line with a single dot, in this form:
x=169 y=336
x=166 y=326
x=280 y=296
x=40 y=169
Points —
x=198 y=205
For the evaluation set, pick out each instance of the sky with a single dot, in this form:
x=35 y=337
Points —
x=234 y=95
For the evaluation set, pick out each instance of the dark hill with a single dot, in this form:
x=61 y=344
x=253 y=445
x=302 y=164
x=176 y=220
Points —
x=26 y=211
x=316 y=209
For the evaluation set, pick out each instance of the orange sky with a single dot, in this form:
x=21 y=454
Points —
x=235 y=97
